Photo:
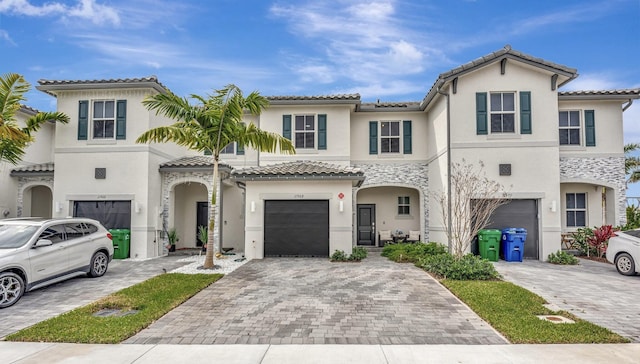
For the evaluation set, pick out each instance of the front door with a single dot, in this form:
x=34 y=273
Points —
x=202 y=219
x=367 y=225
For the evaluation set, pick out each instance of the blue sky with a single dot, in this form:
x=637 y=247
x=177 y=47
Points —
x=388 y=50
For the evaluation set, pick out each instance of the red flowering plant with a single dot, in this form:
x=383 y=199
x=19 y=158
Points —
x=600 y=239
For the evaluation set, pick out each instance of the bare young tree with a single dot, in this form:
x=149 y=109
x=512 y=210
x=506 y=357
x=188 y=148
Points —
x=474 y=198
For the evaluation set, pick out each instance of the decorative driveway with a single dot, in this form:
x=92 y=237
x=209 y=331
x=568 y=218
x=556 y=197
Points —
x=51 y=301
x=314 y=301
x=592 y=291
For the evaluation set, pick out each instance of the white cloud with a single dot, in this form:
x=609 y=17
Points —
x=4 y=35
x=593 y=81
x=85 y=9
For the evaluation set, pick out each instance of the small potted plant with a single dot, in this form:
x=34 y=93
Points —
x=172 y=236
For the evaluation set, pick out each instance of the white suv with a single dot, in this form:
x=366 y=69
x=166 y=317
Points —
x=36 y=252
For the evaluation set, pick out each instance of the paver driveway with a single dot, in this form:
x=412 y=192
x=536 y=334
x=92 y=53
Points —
x=592 y=291
x=314 y=301
x=44 y=303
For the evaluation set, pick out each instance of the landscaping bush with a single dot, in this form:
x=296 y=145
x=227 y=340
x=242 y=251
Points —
x=357 y=255
x=469 y=267
x=403 y=253
x=562 y=258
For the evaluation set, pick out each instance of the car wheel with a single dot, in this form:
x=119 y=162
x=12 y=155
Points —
x=99 y=263
x=625 y=264
x=11 y=288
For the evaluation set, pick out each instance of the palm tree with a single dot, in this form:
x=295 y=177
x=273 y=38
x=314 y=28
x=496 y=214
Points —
x=13 y=138
x=210 y=125
x=631 y=163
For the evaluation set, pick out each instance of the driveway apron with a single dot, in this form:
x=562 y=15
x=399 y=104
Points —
x=314 y=301
x=591 y=290
x=51 y=301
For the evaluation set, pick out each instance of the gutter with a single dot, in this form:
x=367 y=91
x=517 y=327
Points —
x=628 y=105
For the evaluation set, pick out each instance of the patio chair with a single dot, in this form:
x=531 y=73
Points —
x=413 y=237
x=384 y=236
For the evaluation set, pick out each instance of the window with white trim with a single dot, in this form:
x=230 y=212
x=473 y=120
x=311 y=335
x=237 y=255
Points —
x=390 y=137
x=570 y=127
x=229 y=149
x=305 y=131
x=576 y=208
x=404 y=205
x=104 y=120
x=503 y=112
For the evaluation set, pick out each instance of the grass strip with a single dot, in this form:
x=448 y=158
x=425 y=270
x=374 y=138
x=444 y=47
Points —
x=512 y=311
x=153 y=298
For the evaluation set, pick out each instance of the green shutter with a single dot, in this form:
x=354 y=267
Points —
x=481 y=113
x=590 y=128
x=83 y=120
x=525 y=112
x=286 y=126
x=373 y=137
x=239 y=149
x=322 y=131
x=121 y=119
x=406 y=136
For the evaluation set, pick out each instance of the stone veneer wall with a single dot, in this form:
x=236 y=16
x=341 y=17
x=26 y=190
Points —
x=26 y=182
x=171 y=179
x=401 y=174
x=609 y=170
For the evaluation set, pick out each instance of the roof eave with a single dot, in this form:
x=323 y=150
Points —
x=621 y=98
x=357 y=179
x=315 y=102
x=31 y=174
x=52 y=89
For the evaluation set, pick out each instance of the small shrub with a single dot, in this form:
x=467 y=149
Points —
x=402 y=253
x=339 y=256
x=469 y=267
x=358 y=253
x=562 y=258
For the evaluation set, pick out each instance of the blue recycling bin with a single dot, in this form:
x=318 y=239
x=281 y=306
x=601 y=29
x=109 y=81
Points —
x=513 y=244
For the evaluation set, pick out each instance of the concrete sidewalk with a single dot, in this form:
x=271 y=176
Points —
x=23 y=353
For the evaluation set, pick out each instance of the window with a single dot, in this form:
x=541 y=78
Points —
x=55 y=233
x=403 y=205
x=305 y=134
x=570 y=128
x=229 y=149
x=503 y=112
x=390 y=137
x=576 y=209
x=104 y=123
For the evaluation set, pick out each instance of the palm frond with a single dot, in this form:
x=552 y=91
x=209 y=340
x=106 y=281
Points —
x=12 y=89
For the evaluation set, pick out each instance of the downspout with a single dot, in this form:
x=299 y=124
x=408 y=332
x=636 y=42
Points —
x=628 y=105
x=449 y=220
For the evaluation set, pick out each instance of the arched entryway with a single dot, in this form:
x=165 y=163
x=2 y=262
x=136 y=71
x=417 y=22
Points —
x=37 y=201
x=189 y=209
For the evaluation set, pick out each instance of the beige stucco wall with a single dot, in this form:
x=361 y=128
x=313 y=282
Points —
x=386 y=201
x=340 y=223
x=233 y=210
x=360 y=137
x=338 y=133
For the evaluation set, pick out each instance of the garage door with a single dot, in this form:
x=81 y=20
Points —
x=296 y=228
x=519 y=214
x=112 y=214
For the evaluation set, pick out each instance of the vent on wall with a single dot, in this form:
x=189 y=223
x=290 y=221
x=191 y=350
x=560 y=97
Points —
x=101 y=173
x=505 y=169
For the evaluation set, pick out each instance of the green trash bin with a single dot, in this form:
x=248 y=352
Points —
x=121 y=240
x=489 y=244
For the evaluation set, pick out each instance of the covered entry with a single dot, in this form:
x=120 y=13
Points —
x=519 y=214
x=296 y=228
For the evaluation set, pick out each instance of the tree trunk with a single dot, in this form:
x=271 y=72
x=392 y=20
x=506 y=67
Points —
x=208 y=261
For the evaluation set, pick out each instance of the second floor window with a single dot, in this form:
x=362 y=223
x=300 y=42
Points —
x=576 y=206
x=570 y=128
x=104 y=122
x=229 y=149
x=390 y=137
x=305 y=134
x=503 y=112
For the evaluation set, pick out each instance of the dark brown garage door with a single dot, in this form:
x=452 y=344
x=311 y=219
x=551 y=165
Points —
x=296 y=228
x=519 y=214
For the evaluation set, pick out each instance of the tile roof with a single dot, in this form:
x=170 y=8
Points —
x=300 y=170
x=196 y=162
x=506 y=52
x=391 y=106
x=28 y=110
x=52 y=85
x=319 y=99
x=33 y=169
x=624 y=93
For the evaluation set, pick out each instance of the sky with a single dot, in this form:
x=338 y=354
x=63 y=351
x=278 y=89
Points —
x=382 y=49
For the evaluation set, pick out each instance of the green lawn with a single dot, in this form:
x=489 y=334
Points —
x=512 y=311
x=153 y=298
